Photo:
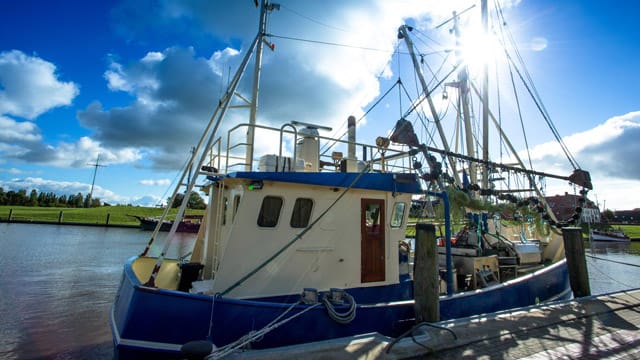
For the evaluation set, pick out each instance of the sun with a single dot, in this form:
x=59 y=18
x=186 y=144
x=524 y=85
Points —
x=478 y=48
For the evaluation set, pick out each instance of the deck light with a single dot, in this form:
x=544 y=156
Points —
x=255 y=185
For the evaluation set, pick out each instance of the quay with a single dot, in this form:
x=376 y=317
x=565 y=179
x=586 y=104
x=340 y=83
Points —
x=592 y=327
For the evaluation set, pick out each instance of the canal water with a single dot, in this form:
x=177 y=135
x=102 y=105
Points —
x=58 y=283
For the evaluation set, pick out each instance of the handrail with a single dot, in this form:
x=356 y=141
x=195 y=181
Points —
x=368 y=149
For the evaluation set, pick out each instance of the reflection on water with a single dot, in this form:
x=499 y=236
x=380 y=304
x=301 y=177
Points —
x=612 y=266
x=58 y=283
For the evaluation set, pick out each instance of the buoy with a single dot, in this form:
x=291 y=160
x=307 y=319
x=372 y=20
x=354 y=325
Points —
x=196 y=350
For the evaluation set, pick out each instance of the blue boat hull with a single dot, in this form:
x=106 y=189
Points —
x=150 y=322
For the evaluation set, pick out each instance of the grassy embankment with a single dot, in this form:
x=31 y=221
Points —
x=118 y=215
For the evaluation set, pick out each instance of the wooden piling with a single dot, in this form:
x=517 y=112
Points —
x=425 y=274
x=576 y=261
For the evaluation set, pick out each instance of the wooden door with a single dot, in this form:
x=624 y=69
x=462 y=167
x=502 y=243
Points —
x=372 y=240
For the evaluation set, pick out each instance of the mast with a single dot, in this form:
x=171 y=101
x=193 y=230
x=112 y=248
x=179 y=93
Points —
x=207 y=139
x=403 y=34
x=265 y=8
x=485 y=101
x=463 y=90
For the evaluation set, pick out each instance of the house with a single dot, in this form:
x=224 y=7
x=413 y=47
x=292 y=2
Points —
x=564 y=207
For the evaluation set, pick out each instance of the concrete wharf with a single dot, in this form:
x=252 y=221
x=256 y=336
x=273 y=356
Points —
x=592 y=327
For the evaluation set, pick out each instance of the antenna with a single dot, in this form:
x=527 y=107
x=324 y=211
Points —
x=95 y=171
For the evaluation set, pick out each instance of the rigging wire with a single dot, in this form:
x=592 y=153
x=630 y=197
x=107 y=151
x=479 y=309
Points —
x=312 y=19
x=329 y=43
x=529 y=85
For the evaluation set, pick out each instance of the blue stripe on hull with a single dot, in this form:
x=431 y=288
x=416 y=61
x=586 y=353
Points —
x=151 y=321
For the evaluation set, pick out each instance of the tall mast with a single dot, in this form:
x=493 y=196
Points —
x=403 y=34
x=485 y=101
x=463 y=90
x=265 y=7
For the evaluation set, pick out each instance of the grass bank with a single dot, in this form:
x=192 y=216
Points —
x=116 y=215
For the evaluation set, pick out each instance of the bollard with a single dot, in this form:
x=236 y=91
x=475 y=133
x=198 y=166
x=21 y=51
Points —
x=576 y=261
x=425 y=275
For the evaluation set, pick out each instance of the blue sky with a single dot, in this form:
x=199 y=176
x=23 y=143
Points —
x=134 y=82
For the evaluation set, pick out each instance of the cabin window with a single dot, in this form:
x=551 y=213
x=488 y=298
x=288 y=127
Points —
x=270 y=211
x=398 y=215
x=236 y=203
x=301 y=213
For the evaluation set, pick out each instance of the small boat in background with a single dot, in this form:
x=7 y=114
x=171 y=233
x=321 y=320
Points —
x=189 y=223
x=608 y=235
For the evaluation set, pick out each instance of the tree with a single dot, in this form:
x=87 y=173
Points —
x=33 y=198
x=608 y=215
x=195 y=201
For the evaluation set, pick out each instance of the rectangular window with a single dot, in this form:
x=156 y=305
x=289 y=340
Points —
x=270 y=211
x=301 y=213
x=398 y=215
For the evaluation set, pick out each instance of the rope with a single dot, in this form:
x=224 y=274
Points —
x=614 y=261
x=254 y=335
x=345 y=317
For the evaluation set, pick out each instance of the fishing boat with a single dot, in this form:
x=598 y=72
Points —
x=308 y=245
x=608 y=235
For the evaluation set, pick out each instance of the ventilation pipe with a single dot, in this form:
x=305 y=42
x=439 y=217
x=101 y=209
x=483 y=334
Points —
x=351 y=153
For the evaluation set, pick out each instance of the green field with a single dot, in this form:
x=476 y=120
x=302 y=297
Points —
x=118 y=215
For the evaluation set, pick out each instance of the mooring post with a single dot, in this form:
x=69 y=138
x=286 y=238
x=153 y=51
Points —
x=576 y=261
x=60 y=217
x=425 y=274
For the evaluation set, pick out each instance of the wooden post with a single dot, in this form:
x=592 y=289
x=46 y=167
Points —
x=10 y=215
x=425 y=275
x=108 y=217
x=60 y=217
x=576 y=261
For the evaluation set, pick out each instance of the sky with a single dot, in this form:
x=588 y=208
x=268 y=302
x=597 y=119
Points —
x=130 y=85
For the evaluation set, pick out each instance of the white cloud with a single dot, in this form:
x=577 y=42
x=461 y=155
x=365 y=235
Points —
x=18 y=131
x=29 y=86
x=604 y=152
x=155 y=182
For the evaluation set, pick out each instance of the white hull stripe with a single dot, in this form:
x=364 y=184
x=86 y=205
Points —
x=152 y=345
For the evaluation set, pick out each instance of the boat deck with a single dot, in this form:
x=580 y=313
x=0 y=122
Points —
x=594 y=327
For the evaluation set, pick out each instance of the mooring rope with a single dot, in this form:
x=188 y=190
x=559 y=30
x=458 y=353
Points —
x=614 y=261
x=254 y=335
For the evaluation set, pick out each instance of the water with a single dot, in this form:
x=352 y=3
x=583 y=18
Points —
x=58 y=283
x=57 y=286
x=613 y=266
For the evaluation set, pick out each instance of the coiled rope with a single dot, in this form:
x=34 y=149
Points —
x=341 y=318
